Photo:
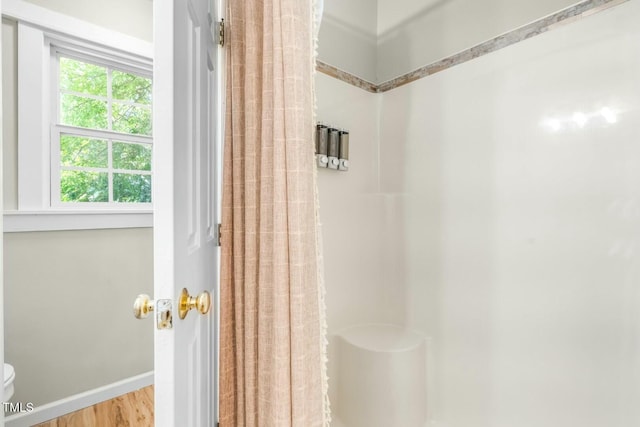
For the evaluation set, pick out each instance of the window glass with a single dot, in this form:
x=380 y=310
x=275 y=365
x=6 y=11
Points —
x=82 y=77
x=84 y=186
x=131 y=156
x=129 y=87
x=131 y=188
x=130 y=118
x=95 y=101
x=81 y=151
x=83 y=112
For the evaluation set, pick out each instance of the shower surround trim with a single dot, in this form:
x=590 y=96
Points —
x=550 y=22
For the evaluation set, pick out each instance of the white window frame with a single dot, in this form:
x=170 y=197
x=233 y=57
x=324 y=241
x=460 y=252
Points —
x=39 y=31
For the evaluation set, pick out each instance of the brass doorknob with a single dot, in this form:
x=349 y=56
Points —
x=201 y=302
x=142 y=306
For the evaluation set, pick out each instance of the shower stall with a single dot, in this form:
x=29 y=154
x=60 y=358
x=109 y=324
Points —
x=482 y=253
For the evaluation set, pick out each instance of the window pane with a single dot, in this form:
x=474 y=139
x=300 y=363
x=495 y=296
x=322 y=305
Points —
x=129 y=188
x=81 y=151
x=81 y=186
x=78 y=76
x=83 y=112
x=132 y=119
x=131 y=156
x=130 y=87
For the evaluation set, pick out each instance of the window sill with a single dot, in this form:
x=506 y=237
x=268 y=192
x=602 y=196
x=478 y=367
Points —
x=21 y=221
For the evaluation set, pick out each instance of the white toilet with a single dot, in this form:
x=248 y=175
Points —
x=9 y=376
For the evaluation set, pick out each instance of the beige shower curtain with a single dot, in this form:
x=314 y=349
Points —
x=272 y=356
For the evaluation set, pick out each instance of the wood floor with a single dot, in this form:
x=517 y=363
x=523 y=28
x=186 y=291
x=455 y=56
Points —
x=131 y=410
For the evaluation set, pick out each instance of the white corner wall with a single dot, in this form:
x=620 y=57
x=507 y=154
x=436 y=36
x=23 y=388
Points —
x=519 y=226
x=383 y=39
x=348 y=37
x=352 y=210
x=415 y=33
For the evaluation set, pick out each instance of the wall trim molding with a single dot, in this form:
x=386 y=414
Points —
x=79 y=401
x=550 y=22
x=345 y=76
x=25 y=221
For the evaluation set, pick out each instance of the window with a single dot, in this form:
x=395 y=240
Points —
x=85 y=144
x=101 y=136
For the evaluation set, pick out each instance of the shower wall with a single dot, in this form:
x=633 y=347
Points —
x=494 y=207
x=517 y=191
x=353 y=212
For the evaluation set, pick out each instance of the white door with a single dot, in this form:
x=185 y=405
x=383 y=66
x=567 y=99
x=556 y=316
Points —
x=185 y=209
x=1 y=270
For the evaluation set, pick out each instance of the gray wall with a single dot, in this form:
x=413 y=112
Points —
x=132 y=17
x=68 y=295
x=69 y=327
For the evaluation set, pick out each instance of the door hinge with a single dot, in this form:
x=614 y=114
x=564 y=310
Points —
x=219 y=234
x=221 y=32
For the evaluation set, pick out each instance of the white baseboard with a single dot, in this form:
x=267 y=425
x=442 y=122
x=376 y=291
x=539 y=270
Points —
x=79 y=401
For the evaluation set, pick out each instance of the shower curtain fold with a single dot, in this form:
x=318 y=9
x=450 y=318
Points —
x=272 y=355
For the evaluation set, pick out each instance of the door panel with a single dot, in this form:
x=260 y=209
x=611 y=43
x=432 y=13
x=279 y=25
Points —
x=185 y=251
